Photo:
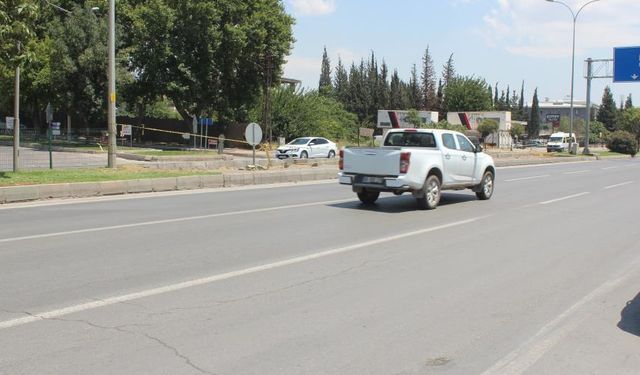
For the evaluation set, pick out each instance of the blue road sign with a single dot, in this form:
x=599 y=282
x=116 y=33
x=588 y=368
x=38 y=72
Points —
x=206 y=121
x=626 y=64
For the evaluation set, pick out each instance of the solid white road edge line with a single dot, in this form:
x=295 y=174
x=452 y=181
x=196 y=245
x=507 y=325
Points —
x=526 y=355
x=224 y=276
x=618 y=185
x=576 y=172
x=567 y=197
x=527 y=178
x=175 y=220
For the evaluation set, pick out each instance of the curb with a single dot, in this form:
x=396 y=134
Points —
x=11 y=194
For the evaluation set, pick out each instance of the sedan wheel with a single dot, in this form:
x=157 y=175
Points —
x=332 y=154
x=304 y=155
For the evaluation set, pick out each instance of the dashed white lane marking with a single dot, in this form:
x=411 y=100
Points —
x=175 y=220
x=526 y=355
x=527 y=178
x=618 y=185
x=607 y=168
x=576 y=172
x=224 y=276
x=564 y=198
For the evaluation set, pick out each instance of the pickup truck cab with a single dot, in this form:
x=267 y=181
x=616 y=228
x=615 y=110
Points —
x=422 y=162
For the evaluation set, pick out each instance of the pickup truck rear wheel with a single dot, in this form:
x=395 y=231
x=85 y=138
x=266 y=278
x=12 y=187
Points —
x=368 y=197
x=431 y=192
x=486 y=186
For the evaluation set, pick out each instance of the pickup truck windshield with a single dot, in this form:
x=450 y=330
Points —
x=411 y=140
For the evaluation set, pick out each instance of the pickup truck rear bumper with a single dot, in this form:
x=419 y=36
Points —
x=377 y=183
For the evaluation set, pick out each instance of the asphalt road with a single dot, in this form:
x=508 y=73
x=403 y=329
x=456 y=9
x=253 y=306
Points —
x=544 y=278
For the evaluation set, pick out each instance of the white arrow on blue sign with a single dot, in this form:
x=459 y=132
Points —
x=626 y=64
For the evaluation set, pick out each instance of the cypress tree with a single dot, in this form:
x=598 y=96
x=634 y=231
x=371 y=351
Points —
x=415 y=94
x=628 y=103
x=428 y=78
x=341 y=84
x=496 y=101
x=607 y=111
x=521 y=111
x=395 y=98
x=324 y=87
x=490 y=93
x=383 y=86
x=533 y=128
x=448 y=71
x=440 y=101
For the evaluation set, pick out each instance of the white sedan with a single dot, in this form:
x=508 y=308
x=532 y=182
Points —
x=307 y=147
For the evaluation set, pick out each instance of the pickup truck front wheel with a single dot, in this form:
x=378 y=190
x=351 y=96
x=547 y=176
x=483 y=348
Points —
x=430 y=194
x=486 y=186
x=368 y=197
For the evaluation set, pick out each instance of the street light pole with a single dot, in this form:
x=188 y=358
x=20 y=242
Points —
x=111 y=73
x=573 y=58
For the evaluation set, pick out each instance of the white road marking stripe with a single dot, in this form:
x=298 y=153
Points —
x=526 y=355
x=576 y=172
x=567 y=197
x=607 y=168
x=175 y=220
x=618 y=185
x=224 y=276
x=527 y=178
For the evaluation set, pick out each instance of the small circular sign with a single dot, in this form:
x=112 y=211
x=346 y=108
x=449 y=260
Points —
x=253 y=134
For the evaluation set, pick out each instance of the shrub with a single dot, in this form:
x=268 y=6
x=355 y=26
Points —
x=622 y=142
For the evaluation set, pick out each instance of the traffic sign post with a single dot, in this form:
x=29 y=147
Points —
x=49 y=118
x=626 y=64
x=253 y=135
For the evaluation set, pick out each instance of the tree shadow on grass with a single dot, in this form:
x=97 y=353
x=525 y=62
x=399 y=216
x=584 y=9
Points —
x=630 y=317
x=3 y=175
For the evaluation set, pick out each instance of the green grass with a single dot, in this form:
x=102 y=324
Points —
x=609 y=153
x=53 y=176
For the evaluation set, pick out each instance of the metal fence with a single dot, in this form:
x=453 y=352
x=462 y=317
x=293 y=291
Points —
x=87 y=150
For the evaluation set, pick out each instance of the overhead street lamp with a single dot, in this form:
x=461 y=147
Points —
x=573 y=55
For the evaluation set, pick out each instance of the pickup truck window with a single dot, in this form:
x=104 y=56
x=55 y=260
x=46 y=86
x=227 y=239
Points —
x=464 y=143
x=411 y=140
x=448 y=141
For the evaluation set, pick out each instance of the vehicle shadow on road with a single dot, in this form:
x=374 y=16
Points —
x=630 y=317
x=393 y=205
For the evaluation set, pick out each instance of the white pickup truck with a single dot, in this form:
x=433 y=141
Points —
x=420 y=161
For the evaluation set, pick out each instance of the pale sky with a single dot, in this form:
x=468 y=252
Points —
x=505 y=41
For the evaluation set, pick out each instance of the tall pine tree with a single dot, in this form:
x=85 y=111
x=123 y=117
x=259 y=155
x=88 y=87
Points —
x=324 y=87
x=448 y=71
x=395 y=98
x=383 y=86
x=628 y=103
x=428 y=78
x=607 y=111
x=341 y=83
x=521 y=112
x=533 y=127
x=415 y=94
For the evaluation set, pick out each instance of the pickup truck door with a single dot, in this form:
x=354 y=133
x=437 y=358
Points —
x=450 y=159
x=467 y=165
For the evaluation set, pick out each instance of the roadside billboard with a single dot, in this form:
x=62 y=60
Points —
x=398 y=119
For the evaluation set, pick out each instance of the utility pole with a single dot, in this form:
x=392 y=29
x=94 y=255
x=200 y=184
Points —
x=111 y=73
x=586 y=122
x=16 y=119
x=266 y=105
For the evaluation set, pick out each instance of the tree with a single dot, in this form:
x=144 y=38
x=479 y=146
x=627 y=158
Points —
x=324 y=87
x=607 y=111
x=79 y=65
x=341 y=83
x=487 y=126
x=383 y=86
x=395 y=99
x=533 y=128
x=415 y=94
x=628 y=103
x=631 y=122
x=428 y=86
x=466 y=94
x=296 y=114
x=211 y=56
x=448 y=71
x=517 y=131
x=521 y=114
x=622 y=142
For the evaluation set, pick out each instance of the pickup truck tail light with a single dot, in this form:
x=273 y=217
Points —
x=404 y=161
x=341 y=161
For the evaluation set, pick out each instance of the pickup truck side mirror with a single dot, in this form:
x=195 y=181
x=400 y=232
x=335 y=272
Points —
x=478 y=148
